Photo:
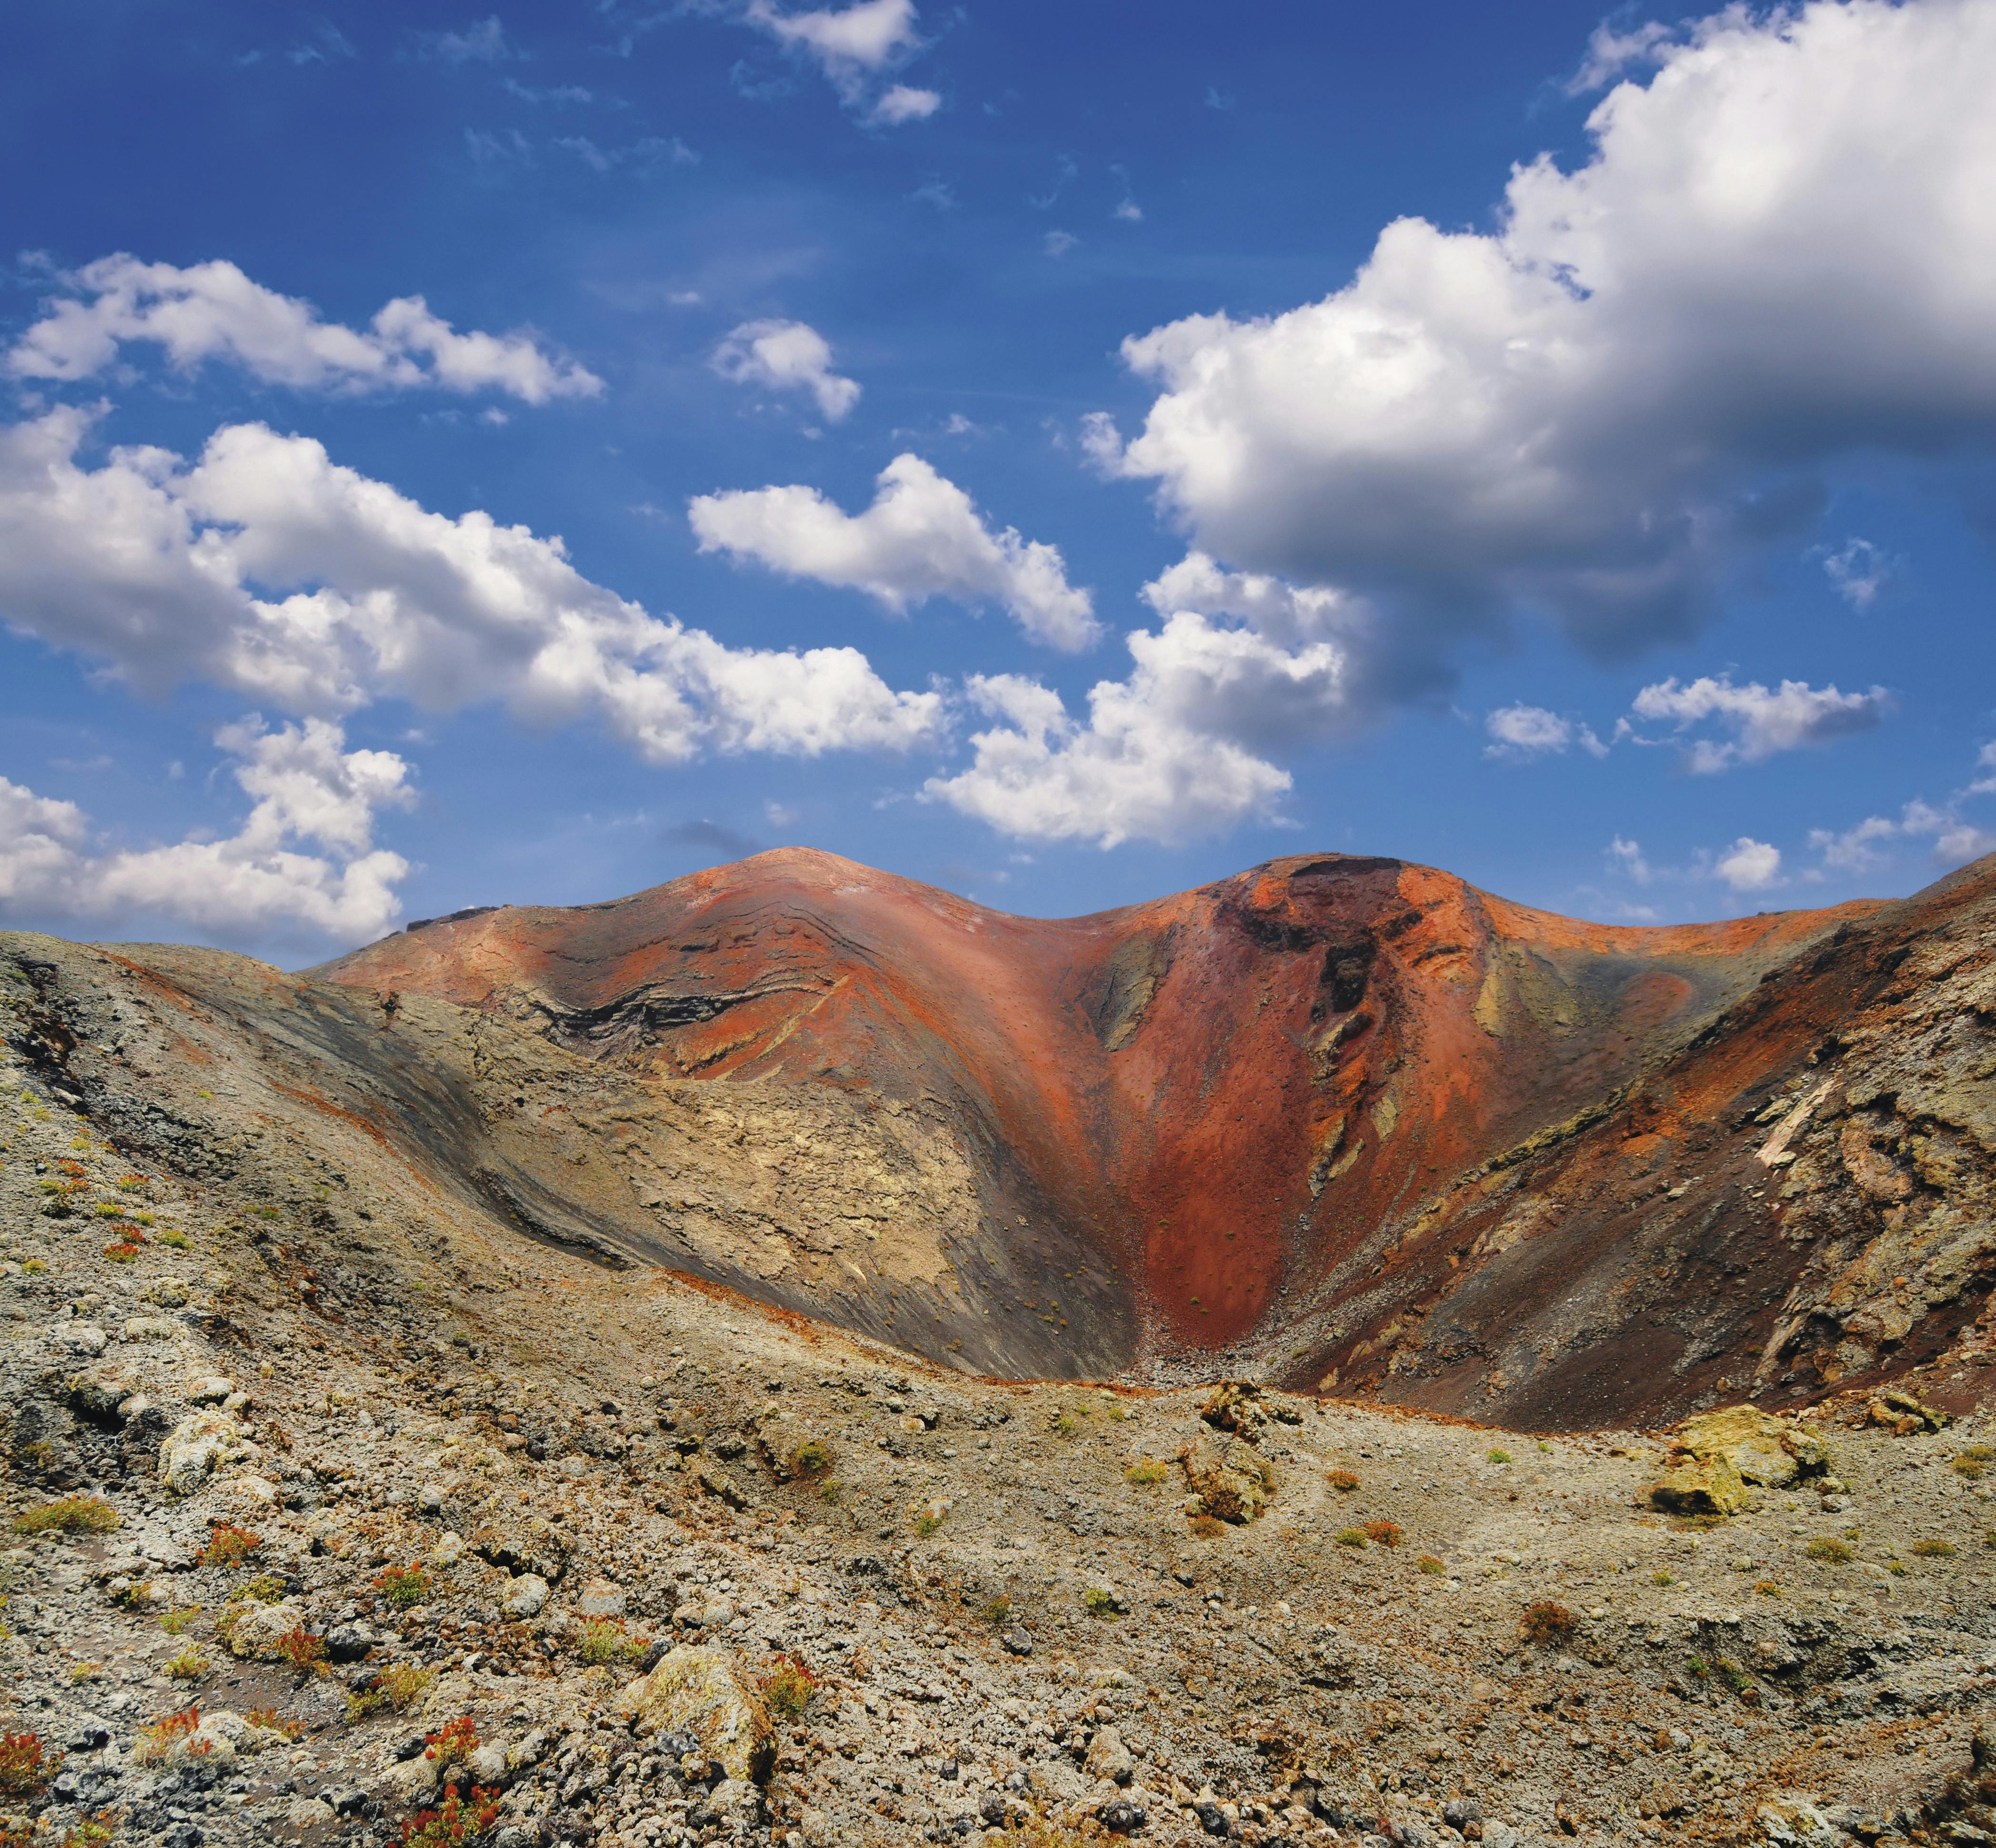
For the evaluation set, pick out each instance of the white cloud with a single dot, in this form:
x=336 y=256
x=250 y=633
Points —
x=1779 y=254
x=1854 y=850
x=1858 y=570
x=306 y=786
x=1519 y=733
x=266 y=568
x=1953 y=838
x=1283 y=612
x=640 y=157
x=902 y=102
x=1058 y=243
x=1174 y=751
x=1762 y=722
x=921 y=537
x=482 y=42
x=786 y=355
x=212 y=310
x=854 y=46
x=1135 y=772
x=1627 y=856
x=1610 y=53
x=1749 y=865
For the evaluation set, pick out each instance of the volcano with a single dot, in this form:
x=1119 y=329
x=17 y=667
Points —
x=1348 y=1119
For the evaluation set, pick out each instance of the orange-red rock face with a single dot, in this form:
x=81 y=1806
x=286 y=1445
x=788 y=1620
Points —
x=1188 y=1118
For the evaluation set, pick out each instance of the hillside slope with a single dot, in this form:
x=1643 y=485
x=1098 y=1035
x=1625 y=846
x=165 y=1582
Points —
x=1347 y=1122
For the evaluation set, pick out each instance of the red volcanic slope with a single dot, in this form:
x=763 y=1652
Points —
x=1210 y=1100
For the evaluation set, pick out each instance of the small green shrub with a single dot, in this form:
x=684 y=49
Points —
x=1427 y=1563
x=1352 y=1536
x=809 y=1461
x=788 y=1688
x=189 y=1665
x=179 y=1240
x=996 y=1612
x=178 y=1619
x=1835 y=1549
x=1499 y=1456
x=1149 y=1470
x=1662 y=1577
x=405 y=1587
x=393 y=1691
x=1933 y=1549
x=1100 y=1601
x=606 y=1640
x=1066 y=1423
x=73 y=1514
x=1343 y=1481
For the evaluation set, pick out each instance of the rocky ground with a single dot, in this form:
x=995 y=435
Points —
x=329 y=1494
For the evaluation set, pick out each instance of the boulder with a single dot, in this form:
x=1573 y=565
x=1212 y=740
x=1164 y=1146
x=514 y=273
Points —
x=98 y=1392
x=150 y=1328
x=527 y=1544
x=1235 y=1484
x=1702 y=1486
x=601 y=1599
x=1764 y=1450
x=527 y=1596
x=1901 y=1412
x=255 y=1635
x=696 y=1690
x=192 y=1449
x=1109 y=1758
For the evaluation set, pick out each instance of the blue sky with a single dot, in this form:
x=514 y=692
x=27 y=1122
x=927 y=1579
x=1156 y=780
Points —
x=452 y=457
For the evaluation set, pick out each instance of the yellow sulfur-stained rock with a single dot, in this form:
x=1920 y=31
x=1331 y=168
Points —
x=696 y=1690
x=1764 y=1450
x=1702 y=1486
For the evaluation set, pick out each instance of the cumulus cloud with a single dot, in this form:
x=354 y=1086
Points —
x=1519 y=733
x=854 y=46
x=922 y=537
x=1134 y=772
x=1777 y=255
x=212 y=310
x=1951 y=837
x=265 y=567
x=902 y=102
x=1241 y=668
x=1749 y=865
x=1762 y=723
x=306 y=787
x=786 y=355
